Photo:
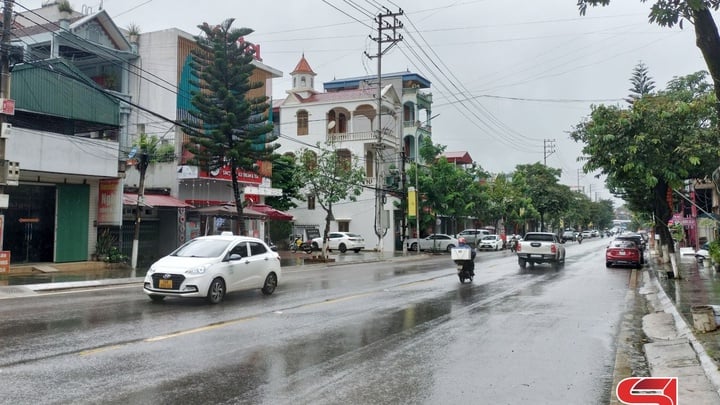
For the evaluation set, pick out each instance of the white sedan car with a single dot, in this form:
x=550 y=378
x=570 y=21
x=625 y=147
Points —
x=492 y=242
x=342 y=241
x=210 y=266
x=436 y=241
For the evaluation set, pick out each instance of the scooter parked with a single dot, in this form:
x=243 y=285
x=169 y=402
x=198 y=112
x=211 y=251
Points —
x=298 y=244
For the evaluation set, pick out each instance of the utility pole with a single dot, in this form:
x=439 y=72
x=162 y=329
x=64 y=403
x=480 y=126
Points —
x=391 y=38
x=9 y=171
x=403 y=202
x=548 y=149
x=142 y=166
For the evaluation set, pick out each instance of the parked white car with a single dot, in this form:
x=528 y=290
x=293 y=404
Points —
x=342 y=241
x=436 y=241
x=492 y=242
x=211 y=266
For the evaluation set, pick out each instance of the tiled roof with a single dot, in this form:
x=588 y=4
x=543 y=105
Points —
x=458 y=157
x=303 y=67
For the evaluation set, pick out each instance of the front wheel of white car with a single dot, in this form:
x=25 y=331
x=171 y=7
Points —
x=216 y=292
x=270 y=284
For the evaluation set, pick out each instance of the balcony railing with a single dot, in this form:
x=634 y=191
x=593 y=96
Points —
x=365 y=136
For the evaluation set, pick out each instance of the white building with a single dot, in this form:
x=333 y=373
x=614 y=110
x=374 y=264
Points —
x=345 y=117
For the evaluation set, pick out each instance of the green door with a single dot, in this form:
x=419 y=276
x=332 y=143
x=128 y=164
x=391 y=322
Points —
x=73 y=207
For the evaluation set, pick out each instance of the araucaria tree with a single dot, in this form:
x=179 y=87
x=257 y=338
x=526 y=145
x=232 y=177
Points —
x=329 y=177
x=230 y=125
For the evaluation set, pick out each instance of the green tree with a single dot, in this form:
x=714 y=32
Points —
x=284 y=178
x=650 y=148
x=156 y=151
x=541 y=184
x=447 y=189
x=228 y=127
x=667 y=13
x=329 y=179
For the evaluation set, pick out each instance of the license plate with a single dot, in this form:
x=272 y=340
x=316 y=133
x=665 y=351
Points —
x=165 y=284
x=622 y=253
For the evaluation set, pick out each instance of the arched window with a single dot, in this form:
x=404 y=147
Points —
x=302 y=122
x=342 y=123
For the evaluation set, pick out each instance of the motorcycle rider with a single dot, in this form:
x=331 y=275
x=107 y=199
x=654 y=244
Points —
x=513 y=243
x=468 y=265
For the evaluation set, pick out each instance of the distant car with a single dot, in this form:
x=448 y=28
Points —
x=472 y=236
x=492 y=242
x=342 y=241
x=569 y=235
x=211 y=266
x=623 y=252
x=436 y=241
x=586 y=234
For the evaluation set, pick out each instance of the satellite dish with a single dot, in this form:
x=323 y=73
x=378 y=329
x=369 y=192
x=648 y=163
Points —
x=385 y=90
x=132 y=153
x=331 y=125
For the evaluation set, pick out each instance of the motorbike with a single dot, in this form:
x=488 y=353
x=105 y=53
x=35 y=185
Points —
x=513 y=245
x=299 y=244
x=464 y=258
x=579 y=239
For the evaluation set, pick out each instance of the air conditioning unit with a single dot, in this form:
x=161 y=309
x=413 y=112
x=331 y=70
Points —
x=5 y=130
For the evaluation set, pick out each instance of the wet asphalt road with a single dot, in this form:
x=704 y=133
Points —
x=380 y=333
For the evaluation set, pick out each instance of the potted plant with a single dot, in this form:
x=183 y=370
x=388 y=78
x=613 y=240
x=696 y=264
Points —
x=714 y=252
x=133 y=32
x=65 y=8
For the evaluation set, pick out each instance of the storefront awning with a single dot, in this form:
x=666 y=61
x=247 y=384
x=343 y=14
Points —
x=229 y=211
x=272 y=213
x=155 y=200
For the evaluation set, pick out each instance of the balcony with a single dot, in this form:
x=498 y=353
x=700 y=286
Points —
x=388 y=139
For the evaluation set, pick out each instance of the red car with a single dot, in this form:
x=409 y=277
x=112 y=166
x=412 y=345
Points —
x=623 y=252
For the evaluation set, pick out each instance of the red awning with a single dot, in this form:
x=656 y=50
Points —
x=155 y=200
x=227 y=210
x=272 y=213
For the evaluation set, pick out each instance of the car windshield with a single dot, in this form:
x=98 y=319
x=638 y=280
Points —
x=201 y=248
x=489 y=237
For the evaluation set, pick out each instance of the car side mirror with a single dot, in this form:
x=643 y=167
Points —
x=273 y=248
x=234 y=257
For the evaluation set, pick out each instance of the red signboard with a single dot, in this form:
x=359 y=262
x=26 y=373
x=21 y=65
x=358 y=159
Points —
x=8 y=106
x=224 y=173
x=4 y=261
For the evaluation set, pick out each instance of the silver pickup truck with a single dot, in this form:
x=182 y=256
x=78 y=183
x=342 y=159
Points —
x=541 y=247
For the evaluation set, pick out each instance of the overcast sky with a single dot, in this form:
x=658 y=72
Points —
x=506 y=75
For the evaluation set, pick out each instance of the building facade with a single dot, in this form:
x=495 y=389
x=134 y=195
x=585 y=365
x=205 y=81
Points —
x=379 y=126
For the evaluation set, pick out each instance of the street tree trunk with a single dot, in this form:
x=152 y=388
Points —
x=708 y=40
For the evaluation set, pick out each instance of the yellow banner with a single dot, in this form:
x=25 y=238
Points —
x=412 y=202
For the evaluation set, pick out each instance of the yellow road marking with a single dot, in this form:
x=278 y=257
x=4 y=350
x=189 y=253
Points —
x=196 y=330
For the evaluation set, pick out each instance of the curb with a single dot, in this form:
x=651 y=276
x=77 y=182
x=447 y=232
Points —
x=685 y=332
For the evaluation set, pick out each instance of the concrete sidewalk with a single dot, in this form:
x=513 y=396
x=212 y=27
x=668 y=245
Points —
x=674 y=350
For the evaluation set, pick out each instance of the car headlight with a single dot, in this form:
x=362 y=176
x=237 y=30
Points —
x=198 y=270
x=151 y=270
